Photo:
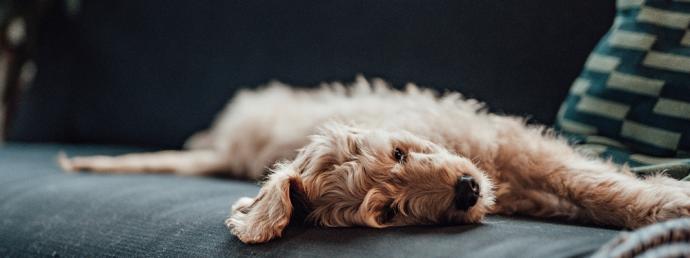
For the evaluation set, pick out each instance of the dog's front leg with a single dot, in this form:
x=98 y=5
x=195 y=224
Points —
x=606 y=194
x=532 y=159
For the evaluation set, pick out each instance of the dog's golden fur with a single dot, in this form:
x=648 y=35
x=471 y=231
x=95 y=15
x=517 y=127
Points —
x=346 y=173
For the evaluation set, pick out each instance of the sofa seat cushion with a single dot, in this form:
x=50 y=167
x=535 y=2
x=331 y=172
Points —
x=46 y=212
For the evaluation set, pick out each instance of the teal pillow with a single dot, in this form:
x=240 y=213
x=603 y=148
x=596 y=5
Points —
x=635 y=86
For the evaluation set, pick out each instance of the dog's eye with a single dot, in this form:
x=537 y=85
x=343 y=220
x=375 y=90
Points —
x=399 y=155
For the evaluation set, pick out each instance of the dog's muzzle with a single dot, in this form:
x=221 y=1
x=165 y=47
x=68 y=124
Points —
x=466 y=193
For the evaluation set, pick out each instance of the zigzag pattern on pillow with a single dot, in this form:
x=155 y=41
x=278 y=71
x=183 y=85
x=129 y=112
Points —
x=635 y=86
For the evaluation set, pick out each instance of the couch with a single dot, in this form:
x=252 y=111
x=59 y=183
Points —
x=120 y=76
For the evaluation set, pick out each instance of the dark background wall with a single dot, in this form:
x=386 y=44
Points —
x=153 y=72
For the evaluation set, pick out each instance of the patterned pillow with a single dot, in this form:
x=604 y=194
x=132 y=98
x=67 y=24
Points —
x=635 y=87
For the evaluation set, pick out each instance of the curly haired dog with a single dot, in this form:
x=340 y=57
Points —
x=373 y=156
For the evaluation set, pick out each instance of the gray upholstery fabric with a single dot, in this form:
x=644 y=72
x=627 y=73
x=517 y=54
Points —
x=44 y=212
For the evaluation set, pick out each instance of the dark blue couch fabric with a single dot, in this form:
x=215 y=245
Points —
x=153 y=72
x=45 y=212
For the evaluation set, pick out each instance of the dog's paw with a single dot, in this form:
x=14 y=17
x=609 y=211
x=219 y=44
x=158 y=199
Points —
x=679 y=208
x=65 y=162
x=667 y=209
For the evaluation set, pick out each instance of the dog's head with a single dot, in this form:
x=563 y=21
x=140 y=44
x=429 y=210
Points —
x=352 y=177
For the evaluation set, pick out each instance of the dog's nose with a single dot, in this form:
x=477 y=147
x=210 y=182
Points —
x=466 y=193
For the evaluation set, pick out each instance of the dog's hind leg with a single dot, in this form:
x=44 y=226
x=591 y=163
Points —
x=190 y=162
x=200 y=140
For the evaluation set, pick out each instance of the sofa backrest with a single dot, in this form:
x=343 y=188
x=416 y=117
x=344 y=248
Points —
x=153 y=72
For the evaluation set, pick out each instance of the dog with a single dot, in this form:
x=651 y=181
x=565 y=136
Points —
x=369 y=155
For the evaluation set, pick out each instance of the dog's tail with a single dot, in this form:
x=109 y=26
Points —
x=187 y=162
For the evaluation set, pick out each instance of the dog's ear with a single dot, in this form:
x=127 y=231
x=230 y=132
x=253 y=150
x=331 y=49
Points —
x=376 y=209
x=261 y=219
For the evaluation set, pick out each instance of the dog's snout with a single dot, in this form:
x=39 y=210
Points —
x=466 y=192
